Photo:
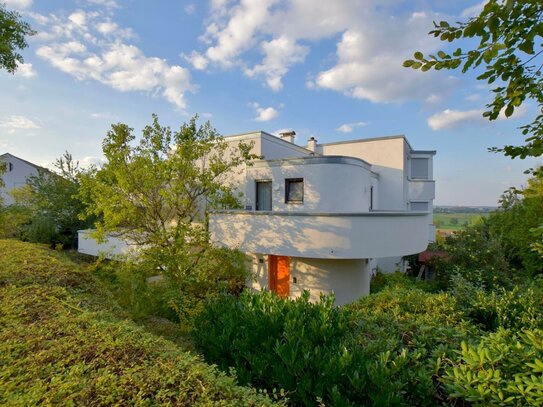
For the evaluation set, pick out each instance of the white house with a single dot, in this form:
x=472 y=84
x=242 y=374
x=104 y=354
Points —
x=324 y=217
x=17 y=172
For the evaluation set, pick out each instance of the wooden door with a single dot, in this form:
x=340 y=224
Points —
x=279 y=275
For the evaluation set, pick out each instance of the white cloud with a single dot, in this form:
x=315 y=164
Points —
x=90 y=46
x=190 y=8
x=25 y=70
x=197 y=60
x=473 y=97
x=88 y=161
x=349 y=127
x=264 y=114
x=368 y=63
x=18 y=4
x=107 y=3
x=280 y=55
x=449 y=119
x=17 y=122
x=473 y=10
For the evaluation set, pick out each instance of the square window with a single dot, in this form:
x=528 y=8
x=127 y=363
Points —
x=294 y=190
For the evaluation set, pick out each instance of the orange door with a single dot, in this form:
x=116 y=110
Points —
x=279 y=275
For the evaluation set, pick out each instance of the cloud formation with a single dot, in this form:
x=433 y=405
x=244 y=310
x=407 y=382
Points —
x=17 y=122
x=373 y=42
x=349 y=127
x=450 y=119
x=264 y=114
x=89 y=45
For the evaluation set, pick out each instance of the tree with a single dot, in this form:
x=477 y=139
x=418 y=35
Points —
x=53 y=199
x=509 y=51
x=12 y=38
x=156 y=194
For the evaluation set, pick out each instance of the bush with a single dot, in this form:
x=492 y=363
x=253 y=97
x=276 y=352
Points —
x=380 y=281
x=505 y=368
x=517 y=308
x=64 y=341
x=382 y=350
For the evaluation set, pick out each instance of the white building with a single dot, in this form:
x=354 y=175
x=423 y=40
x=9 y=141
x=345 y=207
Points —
x=324 y=217
x=17 y=172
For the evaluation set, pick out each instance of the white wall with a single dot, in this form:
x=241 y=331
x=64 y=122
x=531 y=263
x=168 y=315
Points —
x=387 y=157
x=348 y=279
x=328 y=187
x=109 y=248
x=325 y=236
x=15 y=178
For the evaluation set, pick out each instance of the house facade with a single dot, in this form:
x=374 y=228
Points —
x=325 y=217
x=17 y=172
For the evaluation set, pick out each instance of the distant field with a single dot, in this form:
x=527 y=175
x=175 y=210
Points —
x=456 y=221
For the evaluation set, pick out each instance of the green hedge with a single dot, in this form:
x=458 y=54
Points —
x=63 y=341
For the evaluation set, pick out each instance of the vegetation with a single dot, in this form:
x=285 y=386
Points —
x=156 y=195
x=509 y=35
x=65 y=341
x=12 y=38
x=47 y=208
x=456 y=221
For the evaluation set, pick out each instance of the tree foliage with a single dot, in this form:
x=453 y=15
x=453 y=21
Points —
x=52 y=198
x=12 y=38
x=155 y=194
x=509 y=49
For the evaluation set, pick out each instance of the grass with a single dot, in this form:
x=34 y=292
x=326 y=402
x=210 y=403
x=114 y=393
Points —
x=456 y=221
x=64 y=340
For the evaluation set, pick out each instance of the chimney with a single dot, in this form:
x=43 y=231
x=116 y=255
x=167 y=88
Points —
x=288 y=136
x=312 y=144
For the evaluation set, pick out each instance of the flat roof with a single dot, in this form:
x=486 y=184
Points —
x=314 y=159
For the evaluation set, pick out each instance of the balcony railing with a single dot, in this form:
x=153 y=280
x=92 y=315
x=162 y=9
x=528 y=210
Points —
x=422 y=190
x=322 y=235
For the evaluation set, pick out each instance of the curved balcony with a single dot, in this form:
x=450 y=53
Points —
x=322 y=235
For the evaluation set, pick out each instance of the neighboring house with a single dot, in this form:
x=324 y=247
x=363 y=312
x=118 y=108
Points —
x=325 y=217
x=17 y=172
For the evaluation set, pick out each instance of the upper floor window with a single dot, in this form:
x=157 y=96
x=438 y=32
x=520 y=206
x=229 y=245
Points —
x=294 y=190
x=10 y=167
x=419 y=168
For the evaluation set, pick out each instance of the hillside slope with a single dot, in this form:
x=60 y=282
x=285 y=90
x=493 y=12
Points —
x=64 y=341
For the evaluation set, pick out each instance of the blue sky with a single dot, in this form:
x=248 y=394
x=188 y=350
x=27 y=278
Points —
x=330 y=69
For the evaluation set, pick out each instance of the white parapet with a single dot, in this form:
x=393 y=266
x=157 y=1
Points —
x=424 y=190
x=322 y=235
x=111 y=246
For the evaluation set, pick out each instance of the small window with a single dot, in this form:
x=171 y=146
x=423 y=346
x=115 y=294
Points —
x=294 y=190
x=10 y=167
x=419 y=206
x=419 y=168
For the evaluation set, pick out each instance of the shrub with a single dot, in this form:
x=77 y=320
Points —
x=381 y=350
x=518 y=308
x=64 y=341
x=505 y=368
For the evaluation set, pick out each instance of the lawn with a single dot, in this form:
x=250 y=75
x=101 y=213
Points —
x=456 y=221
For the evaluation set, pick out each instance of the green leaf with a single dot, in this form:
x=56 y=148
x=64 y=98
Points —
x=418 y=55
x=509 y=110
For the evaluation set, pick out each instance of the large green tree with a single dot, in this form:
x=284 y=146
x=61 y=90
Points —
x=155 y=194
x=13 y=33
x=504 y=42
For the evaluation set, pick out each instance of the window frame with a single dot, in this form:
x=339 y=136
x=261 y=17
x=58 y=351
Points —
x=288 y=181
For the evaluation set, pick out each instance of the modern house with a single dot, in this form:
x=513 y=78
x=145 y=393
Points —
x=326 y=216
x=323 y=217
x=17 y=172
